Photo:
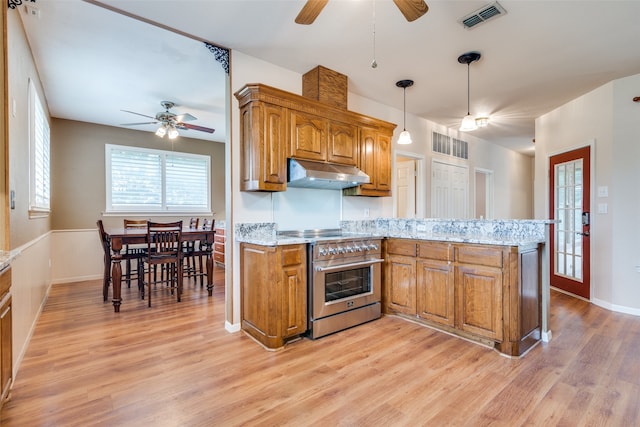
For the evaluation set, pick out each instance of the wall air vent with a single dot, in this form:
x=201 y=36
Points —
x=490 y=11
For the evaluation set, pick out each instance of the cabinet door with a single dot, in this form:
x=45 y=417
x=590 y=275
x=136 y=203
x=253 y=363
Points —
x=375 y=161
x=294 y=290
x=435 y=291
x=6 y=362
x=383 y=163
x=479 y=300
x=308 y=136
x=400 y=284
x=343 y=144
x=263 y=136
x=261 y=301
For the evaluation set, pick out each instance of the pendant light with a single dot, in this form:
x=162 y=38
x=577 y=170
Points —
x=468 y=121
x=405 y=137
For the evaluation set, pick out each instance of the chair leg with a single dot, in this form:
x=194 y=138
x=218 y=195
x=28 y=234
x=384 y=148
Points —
x=106 y=279
x=179 y=277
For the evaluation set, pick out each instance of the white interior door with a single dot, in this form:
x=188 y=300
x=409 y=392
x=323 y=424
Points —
x=406 y=188
x=449 y=190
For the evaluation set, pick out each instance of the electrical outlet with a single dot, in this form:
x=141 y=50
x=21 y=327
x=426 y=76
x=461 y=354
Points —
x=366 y=212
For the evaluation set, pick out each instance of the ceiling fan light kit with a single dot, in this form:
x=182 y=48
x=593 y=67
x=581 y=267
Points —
x=169 y=122
x=405 y=136
x=469 y=122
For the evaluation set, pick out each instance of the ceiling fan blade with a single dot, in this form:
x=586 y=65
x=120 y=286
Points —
x=184 y=117
x=412 y=9
x=133 y=112
x=310 y=11
x=136 y=124
x=194 y=127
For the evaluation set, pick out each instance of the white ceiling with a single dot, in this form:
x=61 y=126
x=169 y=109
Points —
x=539 y=55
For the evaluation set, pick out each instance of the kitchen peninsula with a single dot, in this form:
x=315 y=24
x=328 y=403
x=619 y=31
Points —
x=478 y=279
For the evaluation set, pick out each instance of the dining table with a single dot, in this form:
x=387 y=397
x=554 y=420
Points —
x=120 y=237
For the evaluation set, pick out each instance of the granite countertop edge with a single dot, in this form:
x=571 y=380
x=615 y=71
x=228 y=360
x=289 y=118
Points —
x=284 y=240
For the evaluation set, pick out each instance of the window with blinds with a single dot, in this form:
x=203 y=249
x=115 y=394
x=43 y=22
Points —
x=39 y=156
x=146 y=180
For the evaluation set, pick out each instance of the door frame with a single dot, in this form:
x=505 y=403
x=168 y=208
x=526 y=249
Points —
x=551 y=193
x=489 y=192
x=420 y=181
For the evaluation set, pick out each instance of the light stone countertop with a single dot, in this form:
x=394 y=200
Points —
x=519 y=233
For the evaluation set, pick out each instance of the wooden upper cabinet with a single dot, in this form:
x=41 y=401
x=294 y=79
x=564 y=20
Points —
x=263 y=135
x=375 y=161
x=276 y=124
x=308 y=136
x=343 y=147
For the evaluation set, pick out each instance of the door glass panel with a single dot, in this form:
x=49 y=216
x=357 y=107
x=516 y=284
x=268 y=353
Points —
x=568 y=206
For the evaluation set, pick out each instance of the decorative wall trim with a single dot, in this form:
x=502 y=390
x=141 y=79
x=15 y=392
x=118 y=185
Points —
x=15 y=3
x=221 y=55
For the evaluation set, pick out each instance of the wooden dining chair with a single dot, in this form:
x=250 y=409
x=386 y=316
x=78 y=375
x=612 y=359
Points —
x=106 y=246
x=164 y=248
x=188 y=251
x=133 y=252
x=198 y=253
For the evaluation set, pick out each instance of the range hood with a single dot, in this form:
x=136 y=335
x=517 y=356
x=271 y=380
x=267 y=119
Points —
x=310 y=174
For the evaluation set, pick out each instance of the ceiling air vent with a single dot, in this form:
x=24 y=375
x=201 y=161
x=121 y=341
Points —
x=490 y=11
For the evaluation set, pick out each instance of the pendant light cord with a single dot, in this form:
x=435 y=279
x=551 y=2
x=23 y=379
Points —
x=468 y=90
x=404 y=109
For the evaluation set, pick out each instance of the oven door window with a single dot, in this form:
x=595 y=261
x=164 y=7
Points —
x=347 y=283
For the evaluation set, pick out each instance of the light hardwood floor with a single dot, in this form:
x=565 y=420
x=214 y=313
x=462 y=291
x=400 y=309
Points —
x=175 y=365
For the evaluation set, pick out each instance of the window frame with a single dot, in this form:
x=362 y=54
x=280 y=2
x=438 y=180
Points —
x=163 y=208
x=37 y=115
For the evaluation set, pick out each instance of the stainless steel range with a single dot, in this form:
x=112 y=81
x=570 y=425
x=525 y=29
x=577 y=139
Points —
x=344 y=278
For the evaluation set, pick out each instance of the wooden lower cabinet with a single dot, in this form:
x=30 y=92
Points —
x=483 y=292
x=6 y=347
x=274 y=292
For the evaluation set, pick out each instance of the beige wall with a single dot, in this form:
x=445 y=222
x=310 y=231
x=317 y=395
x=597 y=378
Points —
x=21 y=68
x=606 y=120
x=78 y=170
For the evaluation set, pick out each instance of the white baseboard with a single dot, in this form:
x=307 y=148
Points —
x=59 y=280
x=231 y=327
x=616 y=307
x=546 y=336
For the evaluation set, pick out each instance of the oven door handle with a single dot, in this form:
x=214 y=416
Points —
x=352 y=265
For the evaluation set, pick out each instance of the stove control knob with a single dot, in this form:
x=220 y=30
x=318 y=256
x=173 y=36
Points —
x=358 y=248
x=322 y=251
x=340 y=250
x=375 y=247
x=332 y=251
x=348 y=249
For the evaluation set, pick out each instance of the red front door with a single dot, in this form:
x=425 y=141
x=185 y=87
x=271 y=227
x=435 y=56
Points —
x=569 y=203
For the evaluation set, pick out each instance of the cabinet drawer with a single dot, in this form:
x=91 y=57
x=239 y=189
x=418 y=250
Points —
x=437 y=251
x=480 y=255
x=293 y=255
x=401 y=247
x=219 y=232
x=218 y=257
x=218 y=239
x=218 y=247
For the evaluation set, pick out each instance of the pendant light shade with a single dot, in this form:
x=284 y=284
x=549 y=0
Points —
x=468 y=121
x=405 y=136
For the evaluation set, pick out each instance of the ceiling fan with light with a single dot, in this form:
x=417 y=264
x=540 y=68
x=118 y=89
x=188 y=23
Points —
x=411 y=9
x=169 y=122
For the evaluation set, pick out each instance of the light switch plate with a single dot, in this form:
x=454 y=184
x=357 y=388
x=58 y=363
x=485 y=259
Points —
x=602 y=208
x=603 y=191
